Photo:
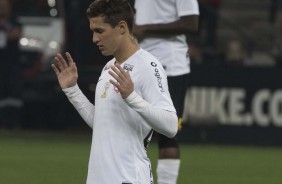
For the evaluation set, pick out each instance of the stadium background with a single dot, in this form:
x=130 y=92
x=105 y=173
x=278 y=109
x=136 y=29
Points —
x=233 y=108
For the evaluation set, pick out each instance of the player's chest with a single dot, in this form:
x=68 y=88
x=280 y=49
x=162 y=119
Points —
x=106 y=91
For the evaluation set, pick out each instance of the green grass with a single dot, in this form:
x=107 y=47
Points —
x=28 y=157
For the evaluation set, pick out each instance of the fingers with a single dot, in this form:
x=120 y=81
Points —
x=60 y=62
x=122 y=80
x=122 y=77
x=115 y=73
x=118 y=73
x=57 y=72
x=69 y=58
x=116 y=84
x=120 y=68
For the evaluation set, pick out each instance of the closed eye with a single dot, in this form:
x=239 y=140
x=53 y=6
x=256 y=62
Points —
x=98 y=30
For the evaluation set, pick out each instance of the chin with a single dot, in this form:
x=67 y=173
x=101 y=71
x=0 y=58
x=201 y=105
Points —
x=106 y=54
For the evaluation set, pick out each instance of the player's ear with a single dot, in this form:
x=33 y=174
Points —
x=122 y=26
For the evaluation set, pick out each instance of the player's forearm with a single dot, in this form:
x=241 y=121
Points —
x=81 y=104
x=160 y=120
x=185 y=25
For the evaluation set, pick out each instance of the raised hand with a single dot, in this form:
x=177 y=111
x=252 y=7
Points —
x=66 y=72
x=123 y=80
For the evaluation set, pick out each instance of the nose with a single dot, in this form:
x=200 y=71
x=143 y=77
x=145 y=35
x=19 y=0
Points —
x=95 y=38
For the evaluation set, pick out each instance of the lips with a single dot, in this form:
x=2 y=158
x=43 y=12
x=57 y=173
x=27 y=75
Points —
x=100 y=47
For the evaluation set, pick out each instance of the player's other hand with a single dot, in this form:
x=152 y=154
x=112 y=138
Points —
x=66 y=72
x=123 y=80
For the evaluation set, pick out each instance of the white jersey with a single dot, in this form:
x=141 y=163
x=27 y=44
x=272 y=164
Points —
x=170 y=51
x=120 y=134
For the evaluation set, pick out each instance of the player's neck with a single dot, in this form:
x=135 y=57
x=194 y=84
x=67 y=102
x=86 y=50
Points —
x=127 y=49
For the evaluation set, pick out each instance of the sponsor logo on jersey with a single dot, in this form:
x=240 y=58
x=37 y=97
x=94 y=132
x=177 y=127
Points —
x=158 y=76
x=128 y=67
x=153 y=64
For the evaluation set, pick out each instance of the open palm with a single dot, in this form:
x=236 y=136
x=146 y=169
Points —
x=66 y=72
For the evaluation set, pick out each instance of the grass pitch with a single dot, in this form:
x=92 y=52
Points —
x=30 y=157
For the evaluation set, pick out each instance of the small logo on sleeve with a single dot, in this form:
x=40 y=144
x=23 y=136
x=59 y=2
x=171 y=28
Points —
x=128 y=67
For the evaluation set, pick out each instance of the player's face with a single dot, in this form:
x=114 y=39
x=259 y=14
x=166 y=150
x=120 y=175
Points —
x=106 y=37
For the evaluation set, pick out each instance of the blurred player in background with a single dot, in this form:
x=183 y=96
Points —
x=131 y=99
x=160 y=28
x=10 y=68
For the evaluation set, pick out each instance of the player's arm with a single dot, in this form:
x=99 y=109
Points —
x=67 y=75
x=162 y=121
x=81 y=103
x=185 y=25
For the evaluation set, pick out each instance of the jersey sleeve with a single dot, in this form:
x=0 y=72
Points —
x=83 y=106
x=162 y=121
x=151 y=98
x=154 y=87
x=187 y=7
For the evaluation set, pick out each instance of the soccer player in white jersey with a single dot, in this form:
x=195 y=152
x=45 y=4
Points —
x=161 y=26
x=131 y=98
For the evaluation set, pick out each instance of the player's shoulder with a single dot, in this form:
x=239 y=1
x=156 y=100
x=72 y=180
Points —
x=148 y=66
x=108 y=64
x=147 y=59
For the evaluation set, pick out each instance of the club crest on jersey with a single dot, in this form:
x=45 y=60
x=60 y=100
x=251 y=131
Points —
x=106 y=89
x=128 y=67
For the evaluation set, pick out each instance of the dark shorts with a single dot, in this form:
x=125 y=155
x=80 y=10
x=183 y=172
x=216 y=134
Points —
x=177 y=88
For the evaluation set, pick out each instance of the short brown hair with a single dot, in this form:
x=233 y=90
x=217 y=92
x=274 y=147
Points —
x=114 y=11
